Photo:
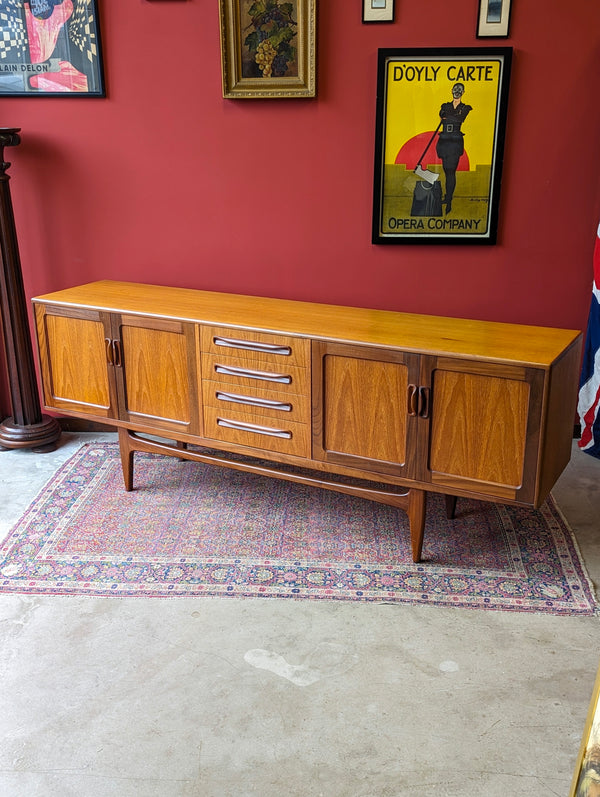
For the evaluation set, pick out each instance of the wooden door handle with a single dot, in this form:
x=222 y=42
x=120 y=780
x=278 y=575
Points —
x=423 y=402
x=117 y=353
x=412 y=400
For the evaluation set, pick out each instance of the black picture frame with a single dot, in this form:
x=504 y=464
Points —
x=378 y=11
x=64 y=60
x=438 y=160
x=493 y=19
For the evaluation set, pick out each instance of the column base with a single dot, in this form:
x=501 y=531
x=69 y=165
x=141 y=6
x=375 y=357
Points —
x=40 y=437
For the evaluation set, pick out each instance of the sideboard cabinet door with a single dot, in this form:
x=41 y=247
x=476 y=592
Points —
x=484 y=427
x=155 y=367
x=365 y=407
x=75 y=360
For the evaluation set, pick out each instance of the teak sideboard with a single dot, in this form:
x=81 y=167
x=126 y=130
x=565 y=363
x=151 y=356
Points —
x=382 y=405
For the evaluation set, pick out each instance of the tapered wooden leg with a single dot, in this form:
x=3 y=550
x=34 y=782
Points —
x=126 y=458
x=416 y=520
x=450 y=506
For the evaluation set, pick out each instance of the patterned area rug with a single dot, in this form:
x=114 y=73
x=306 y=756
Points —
x=192 y=529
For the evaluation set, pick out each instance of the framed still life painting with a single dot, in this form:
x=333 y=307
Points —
x=268 y=48
x=50 y=47
x=439 y=143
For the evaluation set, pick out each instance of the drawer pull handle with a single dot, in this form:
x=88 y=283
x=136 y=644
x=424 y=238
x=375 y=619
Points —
x=230 y=370
x=250 y=427
x=253 y=345
x=254 y=402
x=109 y=351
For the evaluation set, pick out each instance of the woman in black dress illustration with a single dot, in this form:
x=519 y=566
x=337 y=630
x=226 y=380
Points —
x=450 y=144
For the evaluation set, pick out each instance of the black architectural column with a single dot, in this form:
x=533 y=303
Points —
x=27 y=428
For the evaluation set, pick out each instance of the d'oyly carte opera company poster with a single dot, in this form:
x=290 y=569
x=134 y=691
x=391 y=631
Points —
x=439 y=143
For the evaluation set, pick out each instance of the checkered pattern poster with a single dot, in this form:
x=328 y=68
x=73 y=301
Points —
x=50 y=47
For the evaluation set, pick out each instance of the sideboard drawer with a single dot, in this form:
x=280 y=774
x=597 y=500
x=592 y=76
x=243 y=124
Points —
x=280 y=406
x=246 y=429
x=246 y=344
x=248 y=373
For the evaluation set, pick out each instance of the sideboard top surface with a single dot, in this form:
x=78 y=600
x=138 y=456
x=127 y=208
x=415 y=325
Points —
x=453 y=337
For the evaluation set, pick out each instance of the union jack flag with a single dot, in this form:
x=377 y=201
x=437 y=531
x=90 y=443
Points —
x=589 y=386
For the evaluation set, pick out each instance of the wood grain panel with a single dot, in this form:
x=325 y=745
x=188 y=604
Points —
x=267 y=374
x=78 y=364
x=562 y=403
x=257 y=434
x=512 y=343
x=492 y=491
x=479 y=426
x=279 y=349
x=165 y=325
x=156 y=373
x=365 y=408
x=482 y=367
x=273 y=404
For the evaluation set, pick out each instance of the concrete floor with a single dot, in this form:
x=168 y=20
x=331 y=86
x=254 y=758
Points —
x=175 y=697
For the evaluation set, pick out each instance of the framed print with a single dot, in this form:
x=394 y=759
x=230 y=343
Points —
x=439 y=143
x=378 y=11
x=268 y=48
x=51 y=48
x=494 y=19
x=586 y=778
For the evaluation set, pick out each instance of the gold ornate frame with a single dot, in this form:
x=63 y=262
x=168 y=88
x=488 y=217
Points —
x=268 y=48
x=587 y=768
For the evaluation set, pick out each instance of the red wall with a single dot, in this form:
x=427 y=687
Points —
x=164 y=181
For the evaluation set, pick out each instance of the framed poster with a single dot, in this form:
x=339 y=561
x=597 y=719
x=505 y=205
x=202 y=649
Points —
x=493 y=19
x=51 y=48
x=439 y=144
x=268 y=48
